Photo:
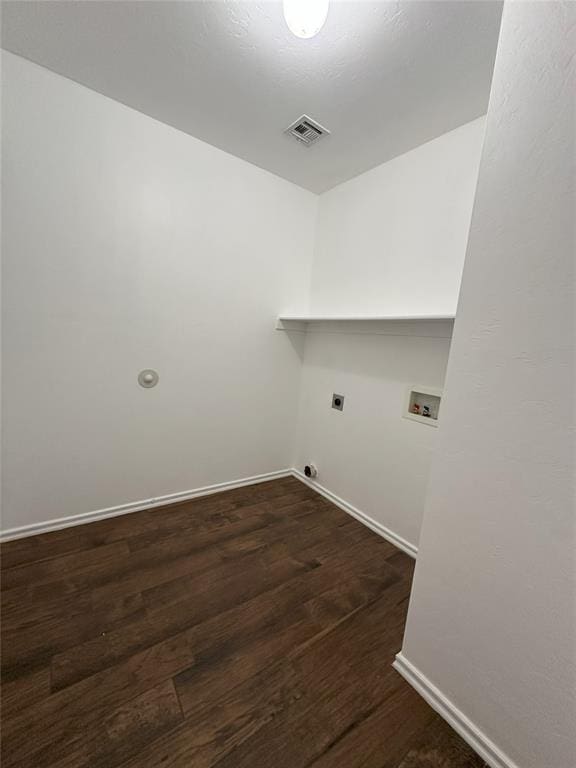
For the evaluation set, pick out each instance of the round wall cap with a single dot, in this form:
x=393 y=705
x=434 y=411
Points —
x=148 y=378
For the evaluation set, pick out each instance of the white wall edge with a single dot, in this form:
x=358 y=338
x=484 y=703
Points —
x=136 y=506
x=374 y=525
x=464 y=727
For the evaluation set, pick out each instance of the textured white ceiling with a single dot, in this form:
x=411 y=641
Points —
x=384 y=77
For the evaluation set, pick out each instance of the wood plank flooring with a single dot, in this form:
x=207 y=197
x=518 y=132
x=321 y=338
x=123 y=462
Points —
x=250 y=629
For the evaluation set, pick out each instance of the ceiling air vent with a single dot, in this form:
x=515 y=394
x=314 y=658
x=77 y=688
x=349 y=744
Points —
x=306 y=130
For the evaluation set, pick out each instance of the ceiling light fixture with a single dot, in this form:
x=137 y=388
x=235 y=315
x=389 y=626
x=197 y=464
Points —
x=305 y=18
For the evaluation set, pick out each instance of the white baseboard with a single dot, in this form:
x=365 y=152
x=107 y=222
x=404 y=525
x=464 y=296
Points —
x=464 y=727
x=172 y=498
x=136 y=506
x=374 y=525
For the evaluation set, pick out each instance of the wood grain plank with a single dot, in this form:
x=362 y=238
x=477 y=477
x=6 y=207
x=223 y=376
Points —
x=254 y=627
x=273 y=702
x=34 y=549
x=153 y=562
x=26 y=649
x=98 y=558
x=65 y=583
x=343 y=684
x=107 y=740
x=97 y=654
x=403 y=563
x=234 y=658
x=438 y=746
x=381 y=739
x=176 y=653
x=30 y=612
x=18 y=695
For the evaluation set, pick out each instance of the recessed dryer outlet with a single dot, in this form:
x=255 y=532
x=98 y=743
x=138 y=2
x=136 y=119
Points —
x=338 y=402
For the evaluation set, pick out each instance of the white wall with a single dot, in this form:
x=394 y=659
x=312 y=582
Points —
x=368 y=455
x=128 y=245
x=492 y=620
x=390 y=241
x=393 y=240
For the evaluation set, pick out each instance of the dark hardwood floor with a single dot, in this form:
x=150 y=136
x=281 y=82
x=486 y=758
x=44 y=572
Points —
x=250 y=629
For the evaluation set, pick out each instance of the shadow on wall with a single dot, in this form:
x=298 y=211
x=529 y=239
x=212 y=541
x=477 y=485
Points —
x=401 y=359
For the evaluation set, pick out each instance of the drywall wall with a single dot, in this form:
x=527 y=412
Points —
x=492 y=620
x=130 y=245
x=393 y=240
x=390 y=241
x=368 y=454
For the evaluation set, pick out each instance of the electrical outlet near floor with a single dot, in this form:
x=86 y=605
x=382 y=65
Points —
x=338 y=402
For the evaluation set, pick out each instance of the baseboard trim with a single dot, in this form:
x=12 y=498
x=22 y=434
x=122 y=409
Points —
x=136 y=506
x=374 y=525
x=58 y=524
x=464 y=727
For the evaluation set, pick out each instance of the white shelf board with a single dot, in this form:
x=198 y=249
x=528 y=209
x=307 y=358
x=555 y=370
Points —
x=366 y=323
x=358 y=318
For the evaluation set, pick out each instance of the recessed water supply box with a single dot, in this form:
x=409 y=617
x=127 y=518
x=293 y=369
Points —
x=422 y=404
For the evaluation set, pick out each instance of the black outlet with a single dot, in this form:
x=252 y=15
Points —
x=338 y=402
